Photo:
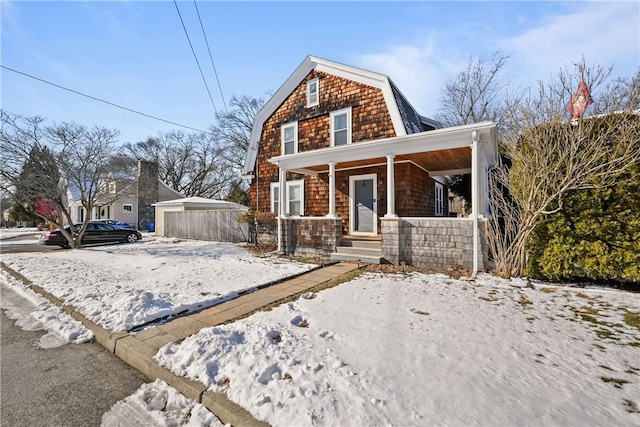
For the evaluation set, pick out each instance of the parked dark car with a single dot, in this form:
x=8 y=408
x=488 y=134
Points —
x=95 y=233
x=114 y=223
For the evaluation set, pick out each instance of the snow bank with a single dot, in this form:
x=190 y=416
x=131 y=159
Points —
x=157 y=404
x=35 y=313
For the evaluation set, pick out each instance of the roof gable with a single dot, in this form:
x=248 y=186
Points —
x=403 y=116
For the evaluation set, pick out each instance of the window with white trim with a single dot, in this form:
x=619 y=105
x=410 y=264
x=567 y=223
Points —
x=290 y=138
x=275 y=198
x=294 y=197
x=112 y=187
x=313 y=93
x=439 y=199
x=127 y=207
x=341 y=127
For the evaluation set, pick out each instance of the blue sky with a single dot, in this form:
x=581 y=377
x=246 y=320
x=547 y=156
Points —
x=136 y=54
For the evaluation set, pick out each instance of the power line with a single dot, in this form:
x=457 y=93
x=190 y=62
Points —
x=224 y=103
x=195 y=57
x=102 y=100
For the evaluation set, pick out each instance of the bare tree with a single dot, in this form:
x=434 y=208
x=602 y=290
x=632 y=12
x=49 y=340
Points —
x=193 y=164
x=43 y=164
x=551 y=155
x=87 y=163
x=29 y=170
x=476 y=93
x=234 y=127
x=623 y=94
x=206 y=165
x=18 y=135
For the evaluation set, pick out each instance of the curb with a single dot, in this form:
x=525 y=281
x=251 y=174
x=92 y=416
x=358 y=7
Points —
x=140 y=356
x=136 y=351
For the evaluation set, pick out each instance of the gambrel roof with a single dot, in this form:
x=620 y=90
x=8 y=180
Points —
x=404 y=117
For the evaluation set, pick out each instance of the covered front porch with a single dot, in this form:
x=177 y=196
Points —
x=377 y=183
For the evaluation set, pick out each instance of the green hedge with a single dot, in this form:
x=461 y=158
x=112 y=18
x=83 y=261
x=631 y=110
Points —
x=595 y=236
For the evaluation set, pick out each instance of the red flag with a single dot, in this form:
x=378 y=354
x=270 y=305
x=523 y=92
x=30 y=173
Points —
x=580 y=101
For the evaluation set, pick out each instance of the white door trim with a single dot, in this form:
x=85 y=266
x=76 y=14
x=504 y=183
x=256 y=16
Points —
x=352 y=204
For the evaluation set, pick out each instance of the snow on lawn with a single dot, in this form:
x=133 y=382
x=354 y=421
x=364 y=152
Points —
x=7 y=233
x=32 y=312
x=157 y=404
x=19 y=236
x=126 y=285
x=20 y=240
x=427 y=350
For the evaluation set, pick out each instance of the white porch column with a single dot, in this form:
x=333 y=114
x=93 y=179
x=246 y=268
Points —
x=475 y=199
x=282 y=191
x=332 y=190
x=391 y=188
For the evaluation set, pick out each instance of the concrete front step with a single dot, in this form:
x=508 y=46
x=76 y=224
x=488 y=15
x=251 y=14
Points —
x=364 y=251
x=339 y=256
x=368 y=244
x=355 y=249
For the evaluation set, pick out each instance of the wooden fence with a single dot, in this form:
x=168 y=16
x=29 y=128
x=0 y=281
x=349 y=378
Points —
x=215 y=225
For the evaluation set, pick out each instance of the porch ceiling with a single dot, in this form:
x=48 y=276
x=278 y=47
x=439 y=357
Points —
x=455 y=159
x=444 y=151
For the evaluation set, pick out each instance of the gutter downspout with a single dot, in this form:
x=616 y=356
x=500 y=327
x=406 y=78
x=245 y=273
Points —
x=474 y=200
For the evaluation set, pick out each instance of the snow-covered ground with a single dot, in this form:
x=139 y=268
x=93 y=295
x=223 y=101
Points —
x=427 y=350
x=156 y=404
x=18 y=236
x=389 y=349
x=32 y=312
x=6 y=233
x=123 y=286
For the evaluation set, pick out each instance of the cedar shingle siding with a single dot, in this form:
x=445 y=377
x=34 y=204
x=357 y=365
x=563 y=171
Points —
x=370 y=121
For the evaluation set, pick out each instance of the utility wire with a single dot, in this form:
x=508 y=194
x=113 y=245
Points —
x=102 y=100
x=196 y=57
x=224 y=103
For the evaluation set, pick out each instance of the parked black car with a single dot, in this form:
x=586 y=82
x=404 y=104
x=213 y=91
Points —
x=114 y=223
x=95 y=233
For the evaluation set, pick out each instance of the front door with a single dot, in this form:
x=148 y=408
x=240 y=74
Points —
x=362 y=205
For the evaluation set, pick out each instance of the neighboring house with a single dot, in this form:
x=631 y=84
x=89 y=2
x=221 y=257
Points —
x=341 y=157
x=126 y=200
x=190 y=204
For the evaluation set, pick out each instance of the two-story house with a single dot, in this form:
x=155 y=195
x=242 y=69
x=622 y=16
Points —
x=128 y=200
x=344 y=160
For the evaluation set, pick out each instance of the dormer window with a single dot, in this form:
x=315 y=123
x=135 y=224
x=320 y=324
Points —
x=341 y=127
x=313 y=96
x=112 y=187
x=290 y=138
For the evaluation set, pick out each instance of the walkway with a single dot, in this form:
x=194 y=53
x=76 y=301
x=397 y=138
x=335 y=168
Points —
x=139 y=350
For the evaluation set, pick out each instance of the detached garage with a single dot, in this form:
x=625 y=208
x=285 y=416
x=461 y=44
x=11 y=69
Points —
x=201 y=219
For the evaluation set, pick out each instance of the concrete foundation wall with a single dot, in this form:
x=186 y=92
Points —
x=311 y=236
x=430 y=242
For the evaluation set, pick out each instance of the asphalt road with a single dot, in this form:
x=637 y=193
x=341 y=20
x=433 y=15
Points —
x=12 y=245
x=72 y=385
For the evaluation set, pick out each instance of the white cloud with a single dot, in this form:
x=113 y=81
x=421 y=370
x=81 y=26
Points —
x=418 y=70
x=7 y=10
x=604 y=33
